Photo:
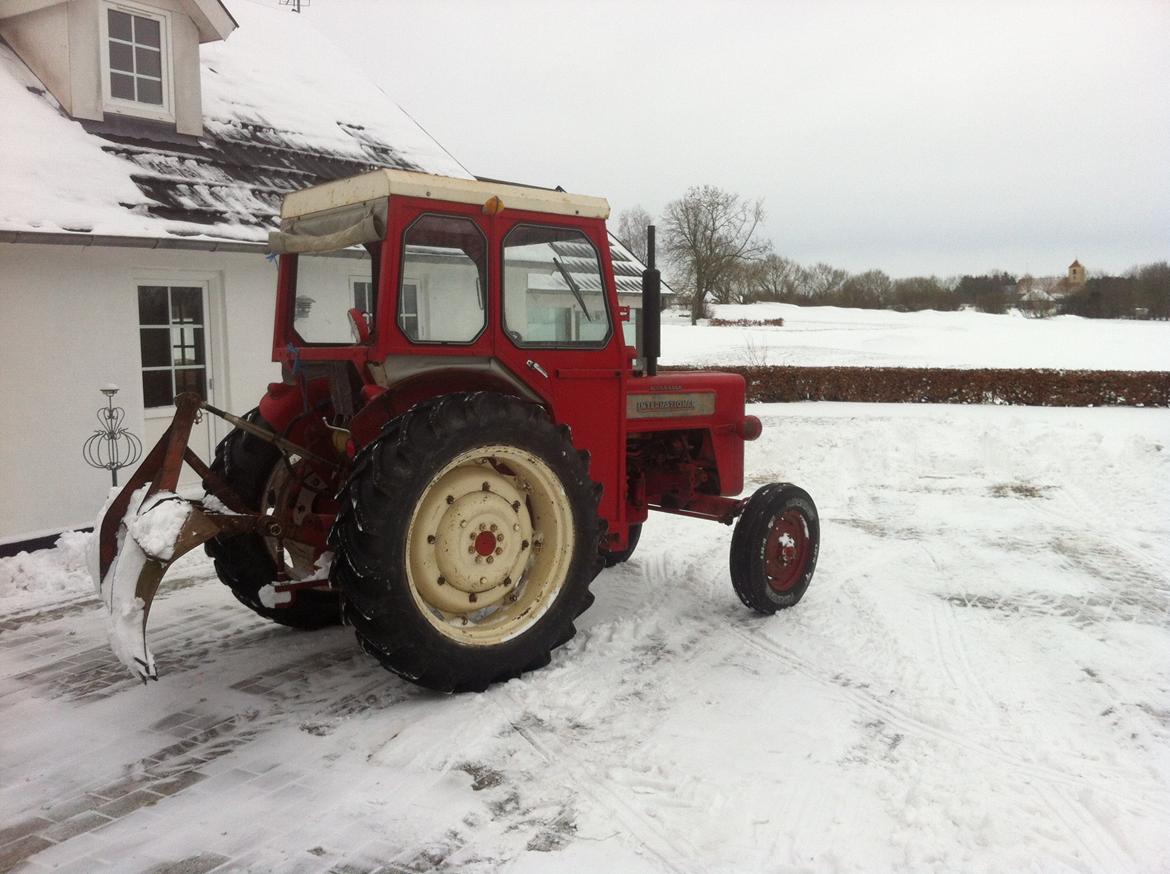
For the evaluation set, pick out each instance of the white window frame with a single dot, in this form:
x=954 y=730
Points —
x=166 y=112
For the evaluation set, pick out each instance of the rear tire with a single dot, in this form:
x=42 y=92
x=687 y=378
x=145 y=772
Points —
x=245 y=563
x=466 y=541
x=774 y=548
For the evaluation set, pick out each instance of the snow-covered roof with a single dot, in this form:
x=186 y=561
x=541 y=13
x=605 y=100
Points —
x=282 y=109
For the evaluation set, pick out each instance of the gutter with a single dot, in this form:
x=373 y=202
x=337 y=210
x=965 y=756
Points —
x=67 y=239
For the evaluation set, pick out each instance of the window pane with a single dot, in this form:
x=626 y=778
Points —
x=152 y=305
x=146 y=32
x=444 y=280
x=121 y=57
x=119 y=25
x=192 y=379
x=553 y=291
x=148 y=62
x=156 y=388
x=121 y=86
x=156 y=347
x=150 y=91
x=325 y=294
x=187 y=306
x=187 y=345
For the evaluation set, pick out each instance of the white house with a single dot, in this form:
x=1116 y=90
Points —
x=145 y=149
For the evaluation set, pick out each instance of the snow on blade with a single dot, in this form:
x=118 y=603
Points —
x=147 y=532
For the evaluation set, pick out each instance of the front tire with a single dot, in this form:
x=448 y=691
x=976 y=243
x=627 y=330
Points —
x=774 y=548
x=466 y=541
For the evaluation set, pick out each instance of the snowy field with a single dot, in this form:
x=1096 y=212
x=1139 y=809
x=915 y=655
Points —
x=833 y=336
x=977 y=680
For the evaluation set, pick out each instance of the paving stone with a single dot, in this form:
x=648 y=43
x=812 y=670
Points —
x=173 y=720
x=122 y=787
x=83 y=822
x=177 y=784
x=22 y=828
x=15 y=852
x=200 y=864
x=129 y=803
x=74 y=806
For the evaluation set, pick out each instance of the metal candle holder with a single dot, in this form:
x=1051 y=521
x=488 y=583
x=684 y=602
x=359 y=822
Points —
x=111 y=447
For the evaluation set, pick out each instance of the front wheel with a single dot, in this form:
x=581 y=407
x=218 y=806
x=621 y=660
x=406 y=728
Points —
x=774 y=548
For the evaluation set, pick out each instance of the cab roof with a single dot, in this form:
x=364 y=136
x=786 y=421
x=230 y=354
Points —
x=382 y=183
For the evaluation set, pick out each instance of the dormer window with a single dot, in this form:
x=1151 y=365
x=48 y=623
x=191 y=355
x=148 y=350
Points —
x=136 y=60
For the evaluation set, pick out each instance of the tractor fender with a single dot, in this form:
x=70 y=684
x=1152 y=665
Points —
x=447 y=376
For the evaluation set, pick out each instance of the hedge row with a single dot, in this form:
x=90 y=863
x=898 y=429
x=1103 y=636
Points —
x=746 y=323
x=900 y=385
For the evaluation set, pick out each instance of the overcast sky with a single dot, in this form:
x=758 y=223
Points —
x=928 y=137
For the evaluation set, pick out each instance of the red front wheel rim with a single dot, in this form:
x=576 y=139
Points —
x=786 y=551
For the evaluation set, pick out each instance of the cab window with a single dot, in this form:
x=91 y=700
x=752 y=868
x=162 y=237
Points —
x=553 y=291
x=443 y=290
x=332 y=289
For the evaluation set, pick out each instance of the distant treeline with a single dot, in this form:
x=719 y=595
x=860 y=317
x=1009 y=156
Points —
x=714 y=253
x=1143 y=292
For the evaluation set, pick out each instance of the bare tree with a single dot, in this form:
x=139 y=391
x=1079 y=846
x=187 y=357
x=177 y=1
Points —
x=777 y=278
x=708 y=232
x=869 y=290
x=631 y=230
x=825 y=281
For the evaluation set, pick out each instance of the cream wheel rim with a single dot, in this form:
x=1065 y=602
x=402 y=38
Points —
x=489 y=545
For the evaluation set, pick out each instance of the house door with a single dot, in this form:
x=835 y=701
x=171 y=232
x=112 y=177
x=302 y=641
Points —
x=175 y=346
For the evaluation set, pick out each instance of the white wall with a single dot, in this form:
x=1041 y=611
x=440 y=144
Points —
x=68 y=325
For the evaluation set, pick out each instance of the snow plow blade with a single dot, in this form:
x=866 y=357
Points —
x=146 y=527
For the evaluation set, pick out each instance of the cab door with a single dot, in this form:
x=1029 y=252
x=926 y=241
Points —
x=558 y=330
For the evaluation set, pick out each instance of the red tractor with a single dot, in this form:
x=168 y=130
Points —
x=463 y=438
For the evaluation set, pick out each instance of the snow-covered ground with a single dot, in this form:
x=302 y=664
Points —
x=977 y=680
x=834 y=336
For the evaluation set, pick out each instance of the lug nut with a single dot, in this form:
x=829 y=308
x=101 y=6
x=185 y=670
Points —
x=499 y=551
x=490 y=559
x=470 y=550
x=482 y=582
x=494 y=527
x=478 y=558
x=482 y=527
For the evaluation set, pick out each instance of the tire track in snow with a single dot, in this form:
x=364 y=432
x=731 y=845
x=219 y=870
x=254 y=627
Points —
x=647 y=833
x=907 y=722
x=1084 y=830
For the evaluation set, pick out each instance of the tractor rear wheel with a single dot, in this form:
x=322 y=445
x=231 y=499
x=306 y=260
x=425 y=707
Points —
x=774 y=548
x=466 y=541
x=246 y=563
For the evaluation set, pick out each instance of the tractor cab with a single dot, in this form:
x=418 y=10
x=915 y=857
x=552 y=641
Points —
x=464 y=436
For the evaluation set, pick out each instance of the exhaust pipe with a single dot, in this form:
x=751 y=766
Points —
x=651 y=308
